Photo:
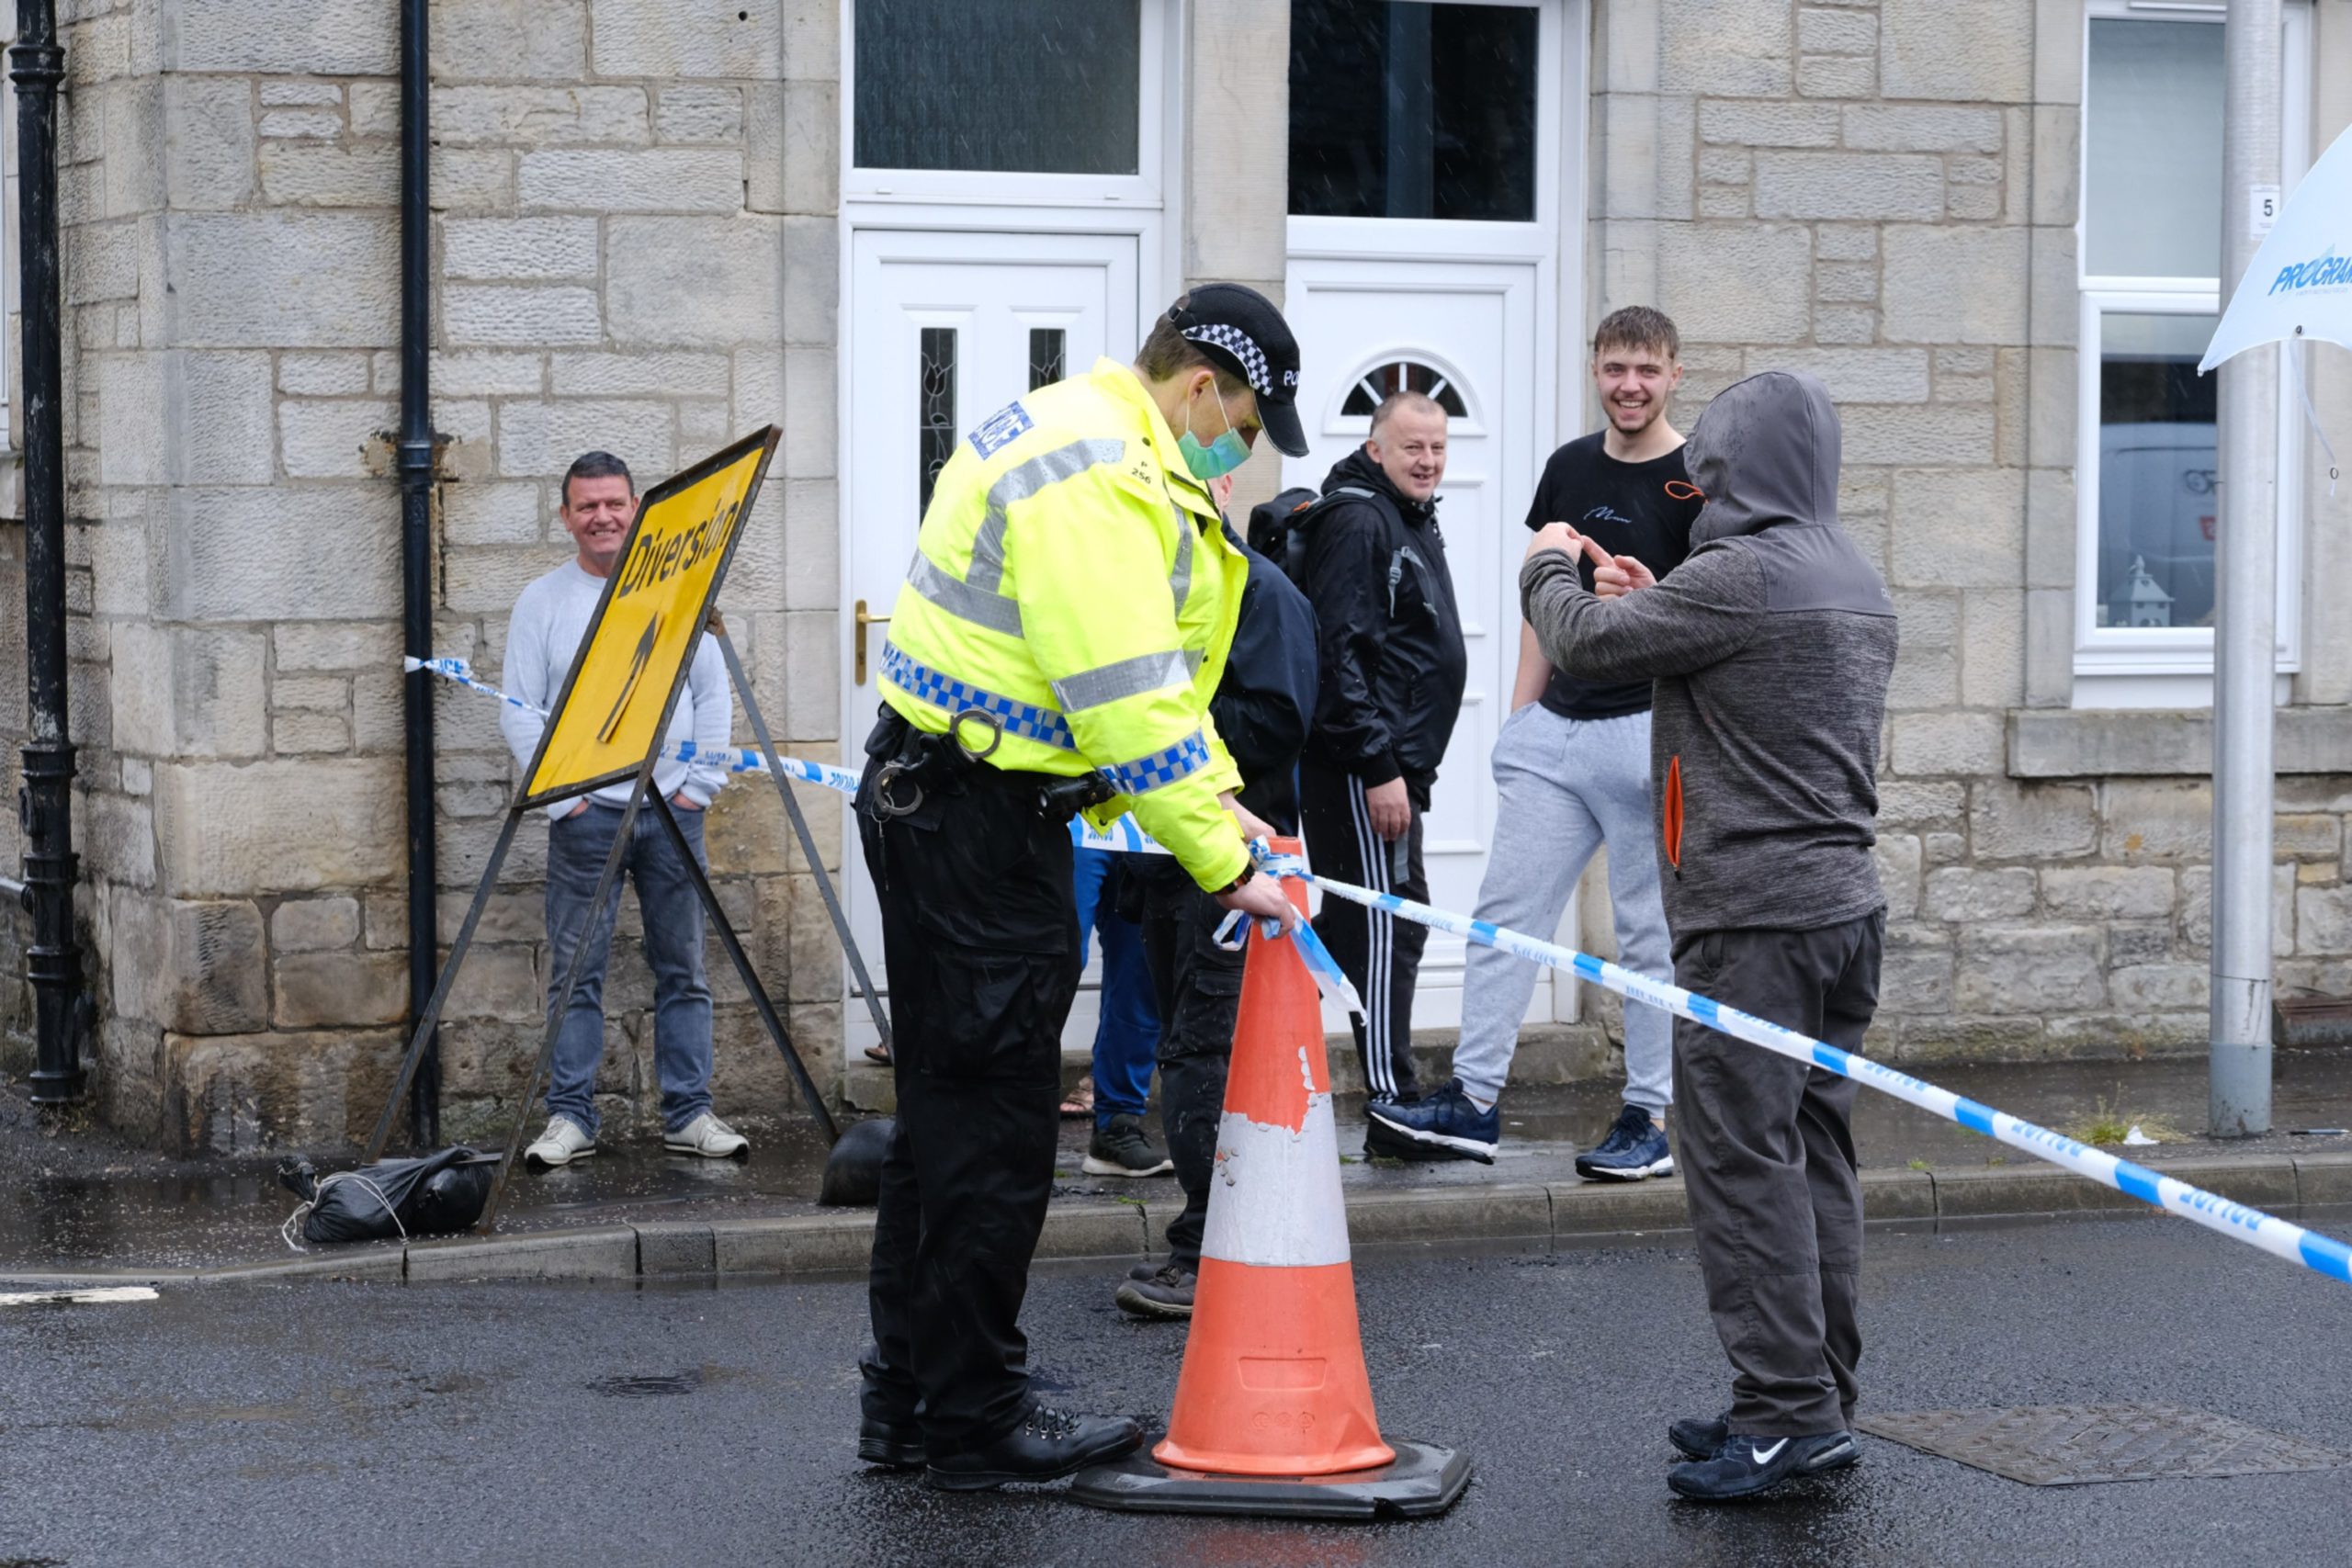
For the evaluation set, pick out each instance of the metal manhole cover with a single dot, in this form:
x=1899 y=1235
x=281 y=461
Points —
x=2073 y=1445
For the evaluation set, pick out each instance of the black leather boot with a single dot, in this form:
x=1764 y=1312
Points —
x=898 y=1444
x=1047 y=1444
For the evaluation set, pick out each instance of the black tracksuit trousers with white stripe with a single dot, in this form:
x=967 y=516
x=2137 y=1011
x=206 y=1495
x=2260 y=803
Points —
x=1381 y=954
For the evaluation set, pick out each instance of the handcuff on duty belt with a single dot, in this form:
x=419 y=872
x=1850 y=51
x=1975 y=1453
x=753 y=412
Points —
x=1059 y=800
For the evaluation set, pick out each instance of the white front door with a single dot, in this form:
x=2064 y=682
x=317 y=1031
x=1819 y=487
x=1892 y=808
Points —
x=1465 y=333
x=949 y=327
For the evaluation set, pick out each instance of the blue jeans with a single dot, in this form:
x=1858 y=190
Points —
x=672 y=911
x=1127 y=1037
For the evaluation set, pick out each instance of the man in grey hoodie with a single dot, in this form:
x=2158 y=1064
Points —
x=1771 y=647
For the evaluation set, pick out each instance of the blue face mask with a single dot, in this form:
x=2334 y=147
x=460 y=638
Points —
x=1220 y=456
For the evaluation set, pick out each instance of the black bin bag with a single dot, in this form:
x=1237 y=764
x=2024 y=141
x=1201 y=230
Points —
x=432 y=1196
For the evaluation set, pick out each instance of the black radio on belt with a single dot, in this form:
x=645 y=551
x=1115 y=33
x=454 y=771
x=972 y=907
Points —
x=1065 y=798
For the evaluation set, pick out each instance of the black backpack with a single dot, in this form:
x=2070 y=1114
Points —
x=1278 y=527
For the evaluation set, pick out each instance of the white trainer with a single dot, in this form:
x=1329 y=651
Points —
x=564 y=1142
x=708 y=1136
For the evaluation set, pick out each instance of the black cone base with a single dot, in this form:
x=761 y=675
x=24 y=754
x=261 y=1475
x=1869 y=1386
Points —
x=1423 y=1480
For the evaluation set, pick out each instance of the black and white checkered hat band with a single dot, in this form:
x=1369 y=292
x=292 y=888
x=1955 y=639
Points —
x=1237 y=343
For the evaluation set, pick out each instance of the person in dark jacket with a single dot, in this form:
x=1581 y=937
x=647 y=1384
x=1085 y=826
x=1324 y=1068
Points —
x=1263 y=707
x=1771 y=647
x=1394 y=666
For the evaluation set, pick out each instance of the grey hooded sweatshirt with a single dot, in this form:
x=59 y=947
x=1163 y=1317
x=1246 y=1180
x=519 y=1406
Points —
x=1770 y=647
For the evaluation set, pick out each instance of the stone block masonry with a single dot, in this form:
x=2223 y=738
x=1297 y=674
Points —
x=636 y=245
x=1883 y=194
x=625 y=194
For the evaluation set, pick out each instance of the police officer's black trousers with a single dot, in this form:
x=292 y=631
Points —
x=1198 y=987
x=979 y=929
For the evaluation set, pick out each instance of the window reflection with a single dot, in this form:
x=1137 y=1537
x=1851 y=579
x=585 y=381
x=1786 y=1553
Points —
x=2156 y=506
x=2152 y=124
x=1375 y=386
x=1049 y=348
x=1412 y=110
x=1037 y=86
x=936 y=410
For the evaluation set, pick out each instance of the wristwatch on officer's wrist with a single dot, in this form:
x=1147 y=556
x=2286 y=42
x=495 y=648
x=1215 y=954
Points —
x=1236 y=885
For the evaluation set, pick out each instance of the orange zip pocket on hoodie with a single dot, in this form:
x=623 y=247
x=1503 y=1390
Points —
x=1670 y=822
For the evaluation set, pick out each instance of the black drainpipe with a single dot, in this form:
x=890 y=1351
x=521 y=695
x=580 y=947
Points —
x=46 y=802
x=414 y=456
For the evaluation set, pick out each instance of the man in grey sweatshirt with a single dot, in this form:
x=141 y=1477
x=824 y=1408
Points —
x=1771 y=647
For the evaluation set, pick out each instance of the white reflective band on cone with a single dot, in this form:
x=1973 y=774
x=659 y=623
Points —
x=1253 y=1225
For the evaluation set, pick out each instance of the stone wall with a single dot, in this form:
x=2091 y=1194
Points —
x=626 y=193
x=637 y=246
x=1883 y=192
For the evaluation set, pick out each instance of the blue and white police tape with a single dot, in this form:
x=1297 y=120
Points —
x=1123 y=835
x=1331 y=982
x=2321 y=1254
x=735 y=759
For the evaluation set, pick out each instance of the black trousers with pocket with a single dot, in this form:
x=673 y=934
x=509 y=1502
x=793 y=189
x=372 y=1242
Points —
x=1381 y=954
x=979 y=929
x=1766 y=1147
x=1198 y=987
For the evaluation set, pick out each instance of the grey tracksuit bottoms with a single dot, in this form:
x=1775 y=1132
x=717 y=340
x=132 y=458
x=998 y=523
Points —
x=1766 y=1148
x=1564 y=788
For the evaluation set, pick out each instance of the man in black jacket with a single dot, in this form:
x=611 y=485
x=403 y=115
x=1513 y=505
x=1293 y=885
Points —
x=1394 y=666
x=1263 y=707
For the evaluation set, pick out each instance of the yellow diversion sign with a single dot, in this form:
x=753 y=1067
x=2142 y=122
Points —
x=632 y=663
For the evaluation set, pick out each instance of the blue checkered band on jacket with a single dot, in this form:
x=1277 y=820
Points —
x=925 y=685
x=1188 y=755
x=1030 y=722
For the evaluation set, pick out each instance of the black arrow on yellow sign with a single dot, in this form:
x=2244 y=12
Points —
x=636 y=672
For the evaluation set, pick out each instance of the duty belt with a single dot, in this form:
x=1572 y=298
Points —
x=937 y=759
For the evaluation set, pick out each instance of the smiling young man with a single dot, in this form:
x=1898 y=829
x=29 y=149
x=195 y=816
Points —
x=1572 y=773
x=550 y=616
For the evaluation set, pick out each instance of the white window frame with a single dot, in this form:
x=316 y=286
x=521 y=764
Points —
x=985 y=188
x=2173 y=666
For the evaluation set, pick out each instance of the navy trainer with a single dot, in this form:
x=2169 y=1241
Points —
x=1635 y=1148
x=1447 y=1126
x=1747 y=1466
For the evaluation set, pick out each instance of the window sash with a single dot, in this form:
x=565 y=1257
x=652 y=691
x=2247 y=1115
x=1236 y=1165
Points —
x=962 y=187
x=2168 y=654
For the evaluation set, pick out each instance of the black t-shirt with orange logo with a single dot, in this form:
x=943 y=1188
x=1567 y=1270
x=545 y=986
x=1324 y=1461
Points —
x=1625 y=507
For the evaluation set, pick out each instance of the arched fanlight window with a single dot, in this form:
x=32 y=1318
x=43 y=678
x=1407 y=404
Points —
x=1403 y=375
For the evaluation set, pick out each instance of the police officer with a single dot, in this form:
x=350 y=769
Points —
x=1064 y=623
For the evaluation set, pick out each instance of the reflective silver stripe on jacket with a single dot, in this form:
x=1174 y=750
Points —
x=1180 y=581
x=1020 y=482
x=961 y=600
x=1126 y=678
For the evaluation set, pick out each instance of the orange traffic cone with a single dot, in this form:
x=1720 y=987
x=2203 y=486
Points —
x=1274 y=1408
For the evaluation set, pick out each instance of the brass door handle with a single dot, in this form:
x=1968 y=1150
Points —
x=864 y=619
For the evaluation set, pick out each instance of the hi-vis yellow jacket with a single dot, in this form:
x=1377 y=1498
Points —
x=1072 y=579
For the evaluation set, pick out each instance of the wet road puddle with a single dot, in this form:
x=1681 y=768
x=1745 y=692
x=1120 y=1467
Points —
x=77 y=1298
x=661 y=1385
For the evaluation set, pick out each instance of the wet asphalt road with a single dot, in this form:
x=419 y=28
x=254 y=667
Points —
x=341 y=1423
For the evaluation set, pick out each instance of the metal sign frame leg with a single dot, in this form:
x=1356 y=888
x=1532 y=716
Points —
x=431 y=1017
x=743 y=961
x=807 y=839
x=562 y=1007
